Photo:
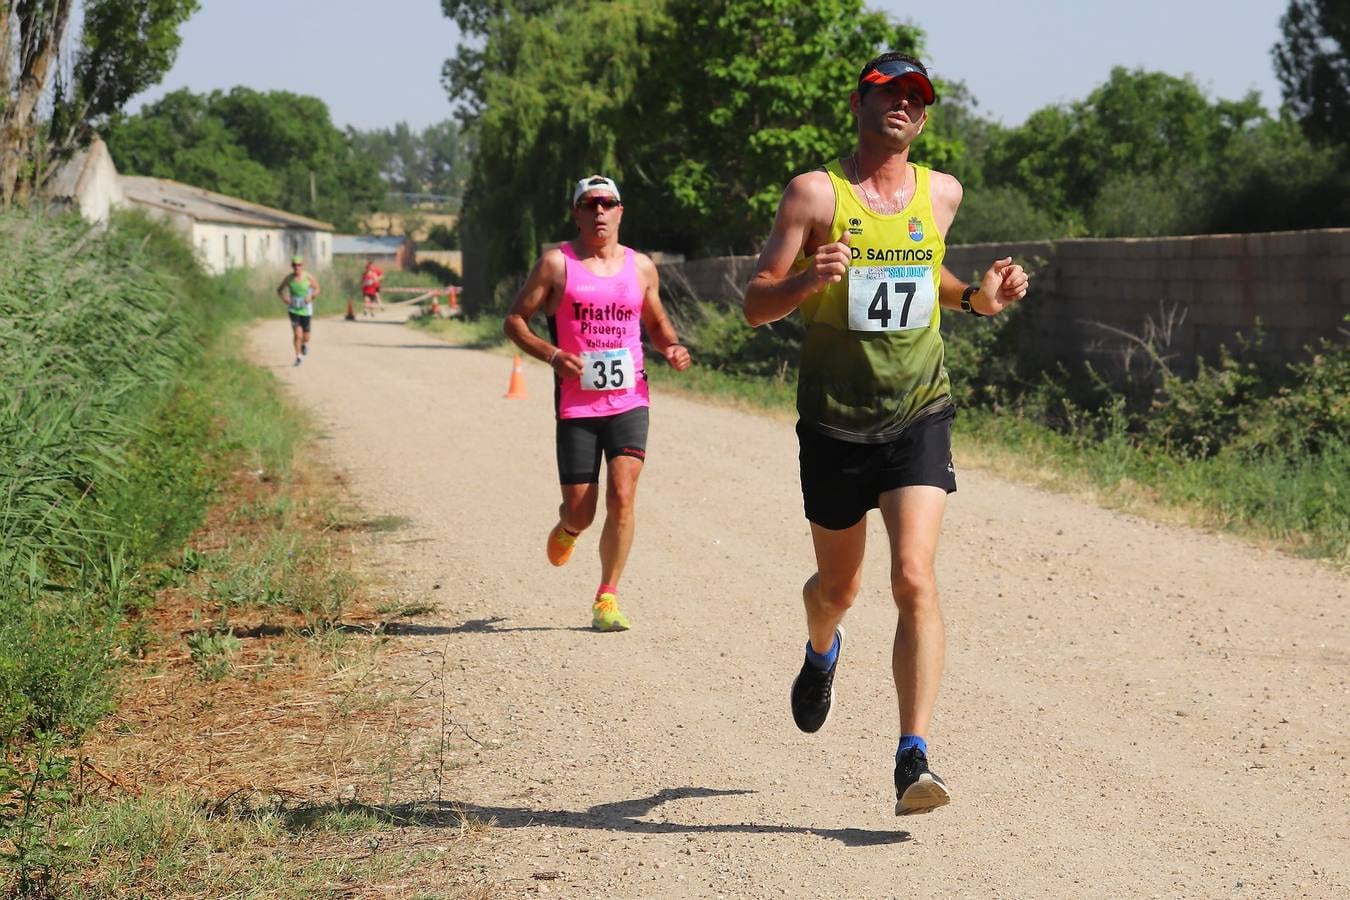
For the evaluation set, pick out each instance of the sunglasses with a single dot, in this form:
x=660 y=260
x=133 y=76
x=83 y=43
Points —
x=594 y=203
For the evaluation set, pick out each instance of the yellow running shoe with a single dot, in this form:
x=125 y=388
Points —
x=560 y=545
x=605 y=615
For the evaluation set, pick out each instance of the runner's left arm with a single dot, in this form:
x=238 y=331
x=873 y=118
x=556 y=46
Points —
x=1004 y=282
x=659 y=328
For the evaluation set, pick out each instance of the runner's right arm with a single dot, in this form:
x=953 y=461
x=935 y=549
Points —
x=803 y=223
x=544 y=284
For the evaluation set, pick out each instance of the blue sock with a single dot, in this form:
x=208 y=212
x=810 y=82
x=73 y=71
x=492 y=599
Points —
x=911 y=740
x=823 y=661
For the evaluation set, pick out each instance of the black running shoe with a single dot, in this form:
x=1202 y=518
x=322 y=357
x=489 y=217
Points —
x=812 y=691
x=917 y=790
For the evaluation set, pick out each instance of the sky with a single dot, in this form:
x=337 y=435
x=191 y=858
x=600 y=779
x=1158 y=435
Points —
x=376 y=64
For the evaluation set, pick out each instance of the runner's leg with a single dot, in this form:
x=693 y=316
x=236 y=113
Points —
x=577 y=510
x=913 y=517
x=578 y=452
x=616 y=539
x=830 y=592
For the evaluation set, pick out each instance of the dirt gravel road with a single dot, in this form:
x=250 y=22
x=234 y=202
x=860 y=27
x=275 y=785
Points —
x=1129 y=709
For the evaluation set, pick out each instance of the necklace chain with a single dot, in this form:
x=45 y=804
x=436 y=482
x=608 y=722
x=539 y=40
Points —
x=875 y=202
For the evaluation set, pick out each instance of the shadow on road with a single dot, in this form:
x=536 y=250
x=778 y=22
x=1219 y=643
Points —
x=490 y=626
x=623 y=815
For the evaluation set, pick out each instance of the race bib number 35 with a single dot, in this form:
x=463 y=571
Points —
x=890 y=298
x=606 y=370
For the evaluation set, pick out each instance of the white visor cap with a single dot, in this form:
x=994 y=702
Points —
x=595 y=183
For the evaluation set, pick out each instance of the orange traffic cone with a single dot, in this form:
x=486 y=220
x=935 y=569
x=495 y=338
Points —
x=435 y=304
x=453 y=296
x=516 y=389
x=351 y=316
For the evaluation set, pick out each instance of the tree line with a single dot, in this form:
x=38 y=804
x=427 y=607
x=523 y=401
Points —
x=272 y=147
x=283 y=150
x=704 y=109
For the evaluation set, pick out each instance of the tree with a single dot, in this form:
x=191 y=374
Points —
x=181 y=138
x=433 y=161
x=125 y=47
x=1143 y=154
x=1313 y=65
x=41 y=25
x=276 y=148
x=741 y=96
x=541 y=95
x=702 y=110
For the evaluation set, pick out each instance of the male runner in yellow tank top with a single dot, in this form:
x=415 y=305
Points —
x=857 y=247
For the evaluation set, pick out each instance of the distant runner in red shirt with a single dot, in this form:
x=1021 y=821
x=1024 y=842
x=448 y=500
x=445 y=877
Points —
x=370 y=287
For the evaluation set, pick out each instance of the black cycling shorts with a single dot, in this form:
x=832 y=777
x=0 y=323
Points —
x=842 y=480
x=581 y=441
x=302 y=321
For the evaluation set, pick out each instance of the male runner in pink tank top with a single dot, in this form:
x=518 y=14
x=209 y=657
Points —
x=598 y=295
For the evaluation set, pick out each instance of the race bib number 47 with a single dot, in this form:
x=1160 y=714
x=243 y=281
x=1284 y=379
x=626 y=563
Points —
x=606 y=370
x=890 y=298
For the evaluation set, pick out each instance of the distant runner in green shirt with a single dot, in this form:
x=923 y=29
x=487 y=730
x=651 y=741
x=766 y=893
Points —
x=858 y=248
x=298 y=291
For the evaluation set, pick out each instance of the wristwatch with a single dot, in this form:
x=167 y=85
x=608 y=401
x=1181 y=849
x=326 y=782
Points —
x=965 y=300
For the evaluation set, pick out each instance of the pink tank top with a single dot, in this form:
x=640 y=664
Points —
x=600 y=320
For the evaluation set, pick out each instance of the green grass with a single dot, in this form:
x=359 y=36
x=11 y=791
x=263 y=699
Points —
x=1298 y=503
x=1265 y=456
x=286 y=572
x=183 y=846
x=124 y=411
x=483 y=333
x=121 y=409
x=776 y=395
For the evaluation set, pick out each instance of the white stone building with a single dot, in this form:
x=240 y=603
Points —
x=88 y=183
x=230 y=233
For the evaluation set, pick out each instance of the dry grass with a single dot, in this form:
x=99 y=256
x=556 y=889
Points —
x=275 y=774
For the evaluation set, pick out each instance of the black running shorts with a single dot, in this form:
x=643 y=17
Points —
x=842 y=480
x=302 y=321
x=581 y=441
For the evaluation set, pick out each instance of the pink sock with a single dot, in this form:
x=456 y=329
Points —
x=606 y=589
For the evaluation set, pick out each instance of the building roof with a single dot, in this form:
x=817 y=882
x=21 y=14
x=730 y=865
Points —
x=366 y=245
x=208 y=206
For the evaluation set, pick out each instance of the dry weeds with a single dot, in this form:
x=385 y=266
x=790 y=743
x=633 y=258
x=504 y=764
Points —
x=308 y=729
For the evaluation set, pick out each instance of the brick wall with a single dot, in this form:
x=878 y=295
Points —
x=1086 y=294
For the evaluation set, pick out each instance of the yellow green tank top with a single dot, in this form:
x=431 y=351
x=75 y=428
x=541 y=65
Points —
x=872 y=358
x=300 y=288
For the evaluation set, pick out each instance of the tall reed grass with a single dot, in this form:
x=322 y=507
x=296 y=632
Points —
x=105 y=464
